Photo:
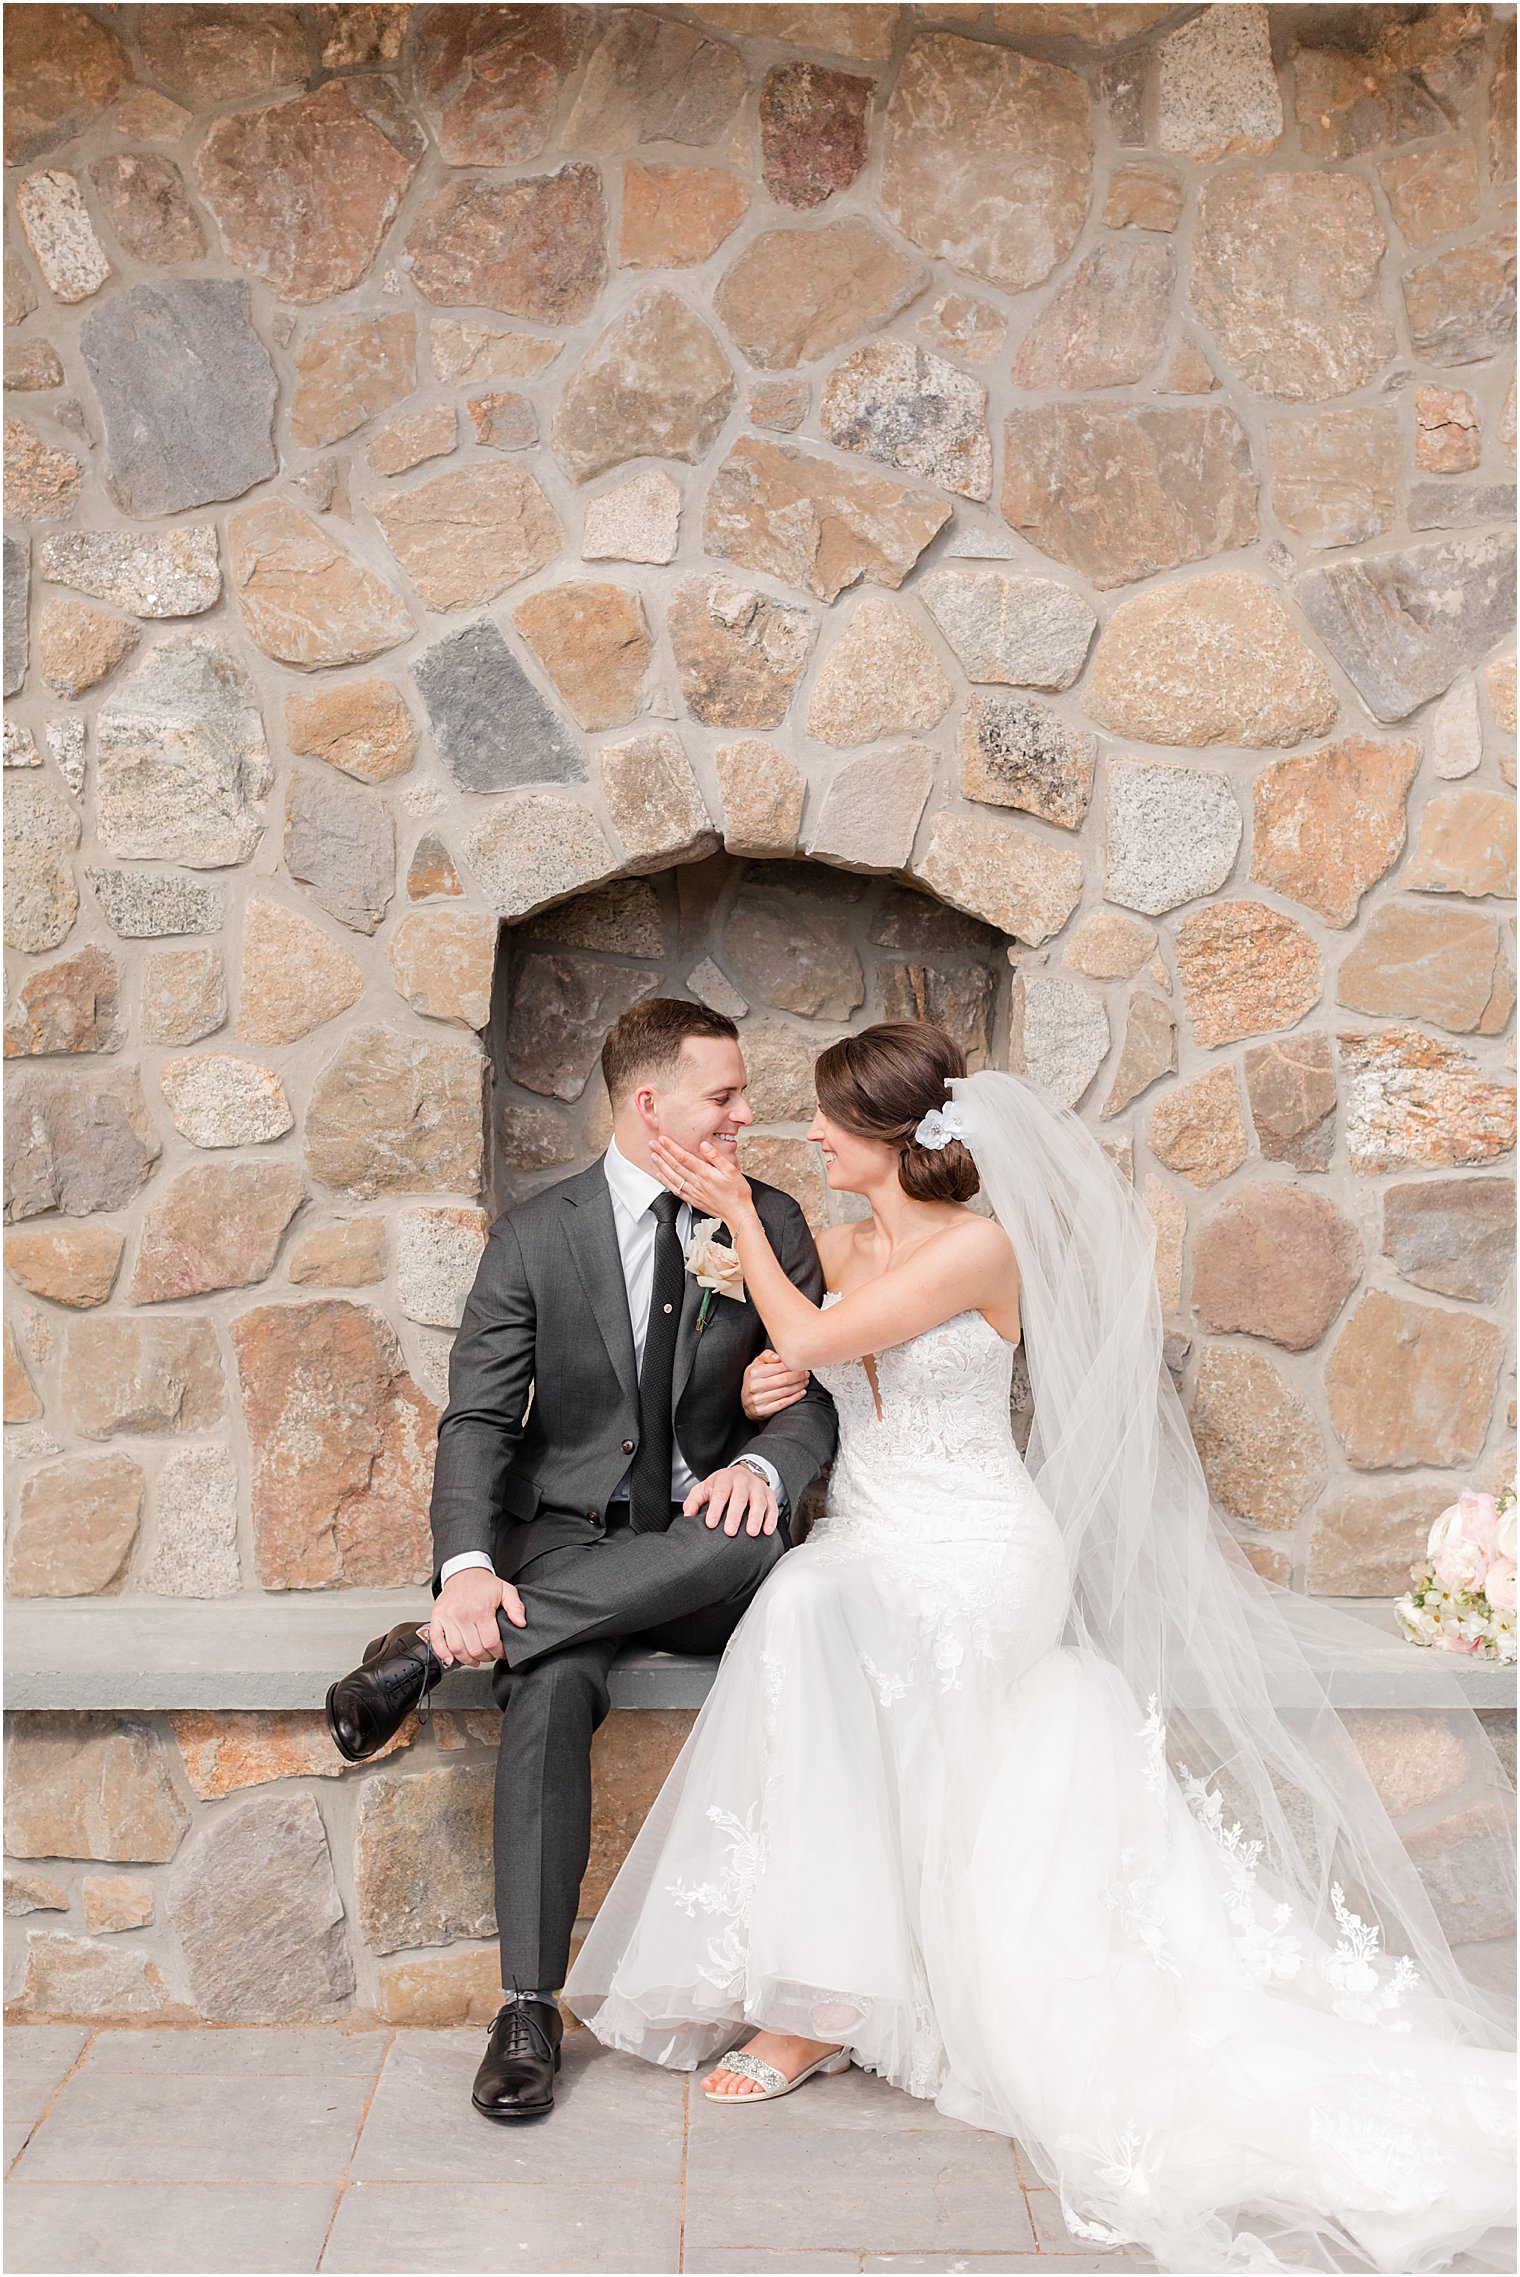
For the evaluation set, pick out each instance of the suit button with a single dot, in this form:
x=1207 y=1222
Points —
x=591 y=1514
x=628 y=1446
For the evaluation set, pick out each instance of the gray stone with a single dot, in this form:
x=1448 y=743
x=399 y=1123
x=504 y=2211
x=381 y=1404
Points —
x=909 y=919
x=1453 y=1235
x=910 y=409
x=218 y=1099
x=422 y=1856
x=655 y=802
x=1016 y=751
x=960 y=1002
x=20 y=746
x=711 y=987
x=195 y=1504
x=52 y=211
x=76 y=1143
x=1404 y=625
x=182 y=756
x=1173 y=834
x=1457 y=505
x=788 y=942
x=65 y=741
x=258 y=1916
x=872 y=808
x=438 y=1251
x=1058 y=1033
x=340 y=840
x=143 y=905
x=33 y=1893
x=187 y=392
x=41 y=898
x=621 y=919
x=149 y=573
x=490 y=723
x=1149 y=1051
x=17 y=583
x=1217 y=89
x=530 y=851
x=560 y=1006
x=1029 y=631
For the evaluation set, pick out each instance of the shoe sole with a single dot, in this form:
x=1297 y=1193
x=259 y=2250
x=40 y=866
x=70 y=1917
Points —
x=332 y=1727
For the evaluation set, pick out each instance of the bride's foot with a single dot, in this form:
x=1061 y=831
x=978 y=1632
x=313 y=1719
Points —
x=783 y=2050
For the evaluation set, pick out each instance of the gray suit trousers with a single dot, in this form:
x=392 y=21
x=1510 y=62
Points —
x=684 y=1590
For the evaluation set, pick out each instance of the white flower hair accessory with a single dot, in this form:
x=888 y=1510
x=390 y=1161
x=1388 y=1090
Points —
x=940 y=1126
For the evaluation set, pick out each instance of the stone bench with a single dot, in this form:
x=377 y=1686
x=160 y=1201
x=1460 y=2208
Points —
x=283 y=1651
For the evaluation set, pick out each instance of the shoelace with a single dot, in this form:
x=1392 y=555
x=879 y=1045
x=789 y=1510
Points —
x=525 y=2035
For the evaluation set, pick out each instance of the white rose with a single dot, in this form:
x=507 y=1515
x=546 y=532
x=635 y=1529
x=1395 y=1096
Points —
x=1504 y=1539
x=1446 y=1528
x=712 y=1263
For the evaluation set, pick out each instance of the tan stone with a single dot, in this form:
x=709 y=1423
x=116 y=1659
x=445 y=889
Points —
x=1410 y=1383
x=348 y=369
x=897 y=403
x=90 y=1786
x=223 y=1750
x=52 y=212
x=212 y=54
x=393 y=1113
x=1443 y=965
x=348 y=1503
x=638 y=520
x=218 y=1225
x=879 y=678
x=1260 y=1447
x=68 y=1977
x=489 y=79
x=70 y=1265
x=1275 y=1260
x=779 y=404
x=1213 y=659
x=1197 y=1130
x=655 y=383
x=762 y=796
x=146 y=117
x=78 y=646
x=1285 y=276
x=413 y=439
x=1466 y=845
x=362 y=726
x=503 y=420
x=1149 y=1051
x=145 y=201
x=21 y=1403
x=20 y=298
x=71 y=1006
x=1446 y=437
x=1387 y=82
x=1216 y=85
x=294 y=975
x=1104 y=328
x=75 y=1528
x=989 y=158
x=349 y=1256
x=1413 y=1759
x=533 y=247
x=441 y=961
x=464 y=350
x=593 y=641
x=431 y=870
x=1458 y=304
x=972 y=329
x=739 y=654
x=32 y=366
x=304 y=191
x=422 y=1856
x=218 y=1099
x=1108 y=945
x=1245 y=969
x=534 y=850
x=62 y=69
x=794 y=295
x=1290 y=1087
x=1143 y=194
x=1187 y=372
x=1333 y=473
x=654 y=80
x=1364 y=1540
x=1412 y=1100
x=1328 y=824
x=1008 y=876
x=1120 y=492
x=115 y=1901
x=460 y=1986
x=654 y=802
x=676 y=217
x=871 y=810
x=463 y=538
x=143 y=1376
x=42 y=484
x=184 y=995
x=792 y=1164
x=305 y=601
x=34 y=1893
x=857 y=28
x=811 y=523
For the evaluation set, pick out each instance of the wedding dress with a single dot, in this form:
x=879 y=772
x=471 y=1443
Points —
x=923 y=1813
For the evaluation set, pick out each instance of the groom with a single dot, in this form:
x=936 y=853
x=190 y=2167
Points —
x=597 y=1479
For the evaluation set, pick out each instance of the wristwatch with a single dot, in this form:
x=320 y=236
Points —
x=748 y=1463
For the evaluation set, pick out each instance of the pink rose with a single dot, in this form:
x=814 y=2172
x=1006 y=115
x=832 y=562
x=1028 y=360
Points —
x=1480 y=1517
x=1456 y=1644
x=1460 y=1565
x=1499 y=1585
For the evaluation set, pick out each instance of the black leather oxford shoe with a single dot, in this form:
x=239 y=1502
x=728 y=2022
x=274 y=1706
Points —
x=369 y=1705
x=516 y=2075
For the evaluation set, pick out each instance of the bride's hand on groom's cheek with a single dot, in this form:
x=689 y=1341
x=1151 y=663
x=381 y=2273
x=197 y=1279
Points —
x=711 y=1181
x=770 y=1385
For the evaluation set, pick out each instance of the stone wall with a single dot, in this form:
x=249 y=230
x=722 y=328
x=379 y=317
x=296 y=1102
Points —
x=1003 y=512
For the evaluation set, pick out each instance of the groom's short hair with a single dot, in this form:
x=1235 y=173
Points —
x=646 y=1040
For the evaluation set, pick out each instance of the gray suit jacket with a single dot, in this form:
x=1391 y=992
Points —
x=543 y=1407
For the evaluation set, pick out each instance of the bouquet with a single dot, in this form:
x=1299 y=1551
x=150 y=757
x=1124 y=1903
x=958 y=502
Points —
x=1463 y=1599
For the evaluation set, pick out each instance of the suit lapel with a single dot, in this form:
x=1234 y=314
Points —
x=591 y=1231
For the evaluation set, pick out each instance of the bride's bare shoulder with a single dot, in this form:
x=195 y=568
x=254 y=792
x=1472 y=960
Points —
x=981 y=1241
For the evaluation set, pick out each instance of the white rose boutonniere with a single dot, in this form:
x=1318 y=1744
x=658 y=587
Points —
x=714 y=1267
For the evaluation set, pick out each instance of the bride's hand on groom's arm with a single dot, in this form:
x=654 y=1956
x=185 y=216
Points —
x=770 y=1385
x=463 y=1624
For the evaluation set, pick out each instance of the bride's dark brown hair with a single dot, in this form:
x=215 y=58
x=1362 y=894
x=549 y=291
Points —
x=881 y=1083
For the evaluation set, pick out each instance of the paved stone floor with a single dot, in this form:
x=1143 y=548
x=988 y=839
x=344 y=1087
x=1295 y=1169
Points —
x=267 y=2150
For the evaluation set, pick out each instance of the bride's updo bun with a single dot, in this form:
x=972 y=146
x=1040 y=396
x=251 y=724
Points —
x=881 y=1083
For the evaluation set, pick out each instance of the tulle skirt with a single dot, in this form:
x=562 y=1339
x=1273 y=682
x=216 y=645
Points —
x=964 y=1855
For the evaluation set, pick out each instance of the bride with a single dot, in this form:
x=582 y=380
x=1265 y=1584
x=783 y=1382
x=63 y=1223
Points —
x=1018 y=1785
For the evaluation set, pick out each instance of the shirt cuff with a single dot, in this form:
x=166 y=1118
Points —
x=770 y=1473
x=457 y=1565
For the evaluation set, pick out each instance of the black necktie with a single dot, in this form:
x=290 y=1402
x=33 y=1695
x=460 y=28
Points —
x=649 y=1487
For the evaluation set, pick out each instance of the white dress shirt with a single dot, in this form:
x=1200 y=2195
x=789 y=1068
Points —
x=633 y=1190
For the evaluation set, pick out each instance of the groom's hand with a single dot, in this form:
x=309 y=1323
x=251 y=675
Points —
x=770 y=1385
x=734 y=1497
x=463 y=1625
